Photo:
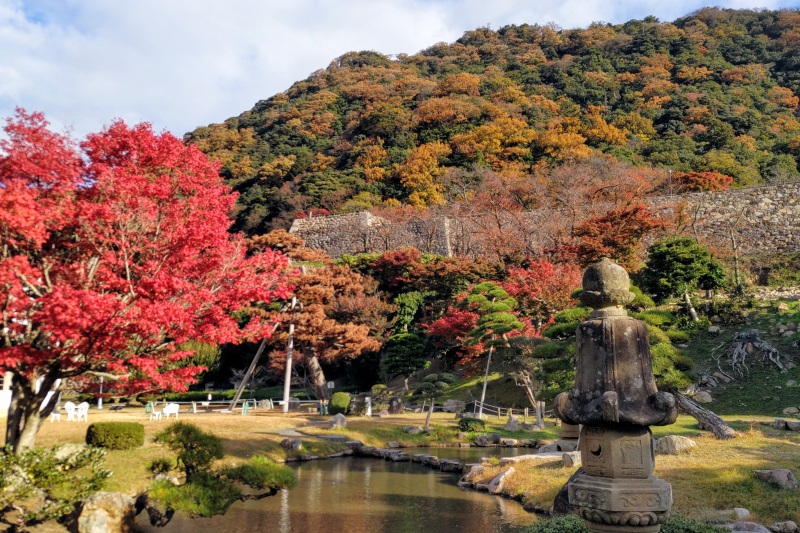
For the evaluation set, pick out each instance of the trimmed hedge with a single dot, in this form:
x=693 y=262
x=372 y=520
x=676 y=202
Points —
x=115 y=435
x=471 y=424
x=340 y=402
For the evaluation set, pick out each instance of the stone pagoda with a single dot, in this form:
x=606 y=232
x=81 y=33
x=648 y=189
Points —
x=615 y=399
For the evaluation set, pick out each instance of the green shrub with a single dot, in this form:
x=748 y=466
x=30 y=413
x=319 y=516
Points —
x=474 y=425
x=441 y=386
x=656 y=317
x=115 y=435
x=676 y=335
x=640 y=301
x=207 y=495
x=561 y=331
x=425 y=388
x=160 y=466
x=447 y=378
x=576 y=314
x=340 y=402
x=379 y=392
x=657 y=335
x=262 y=473
x=196 y=449
x=37 y=485
x=430 y=378
x=548 y=350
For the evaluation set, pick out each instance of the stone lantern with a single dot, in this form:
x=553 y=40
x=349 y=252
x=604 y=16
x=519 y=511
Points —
x=616 y=400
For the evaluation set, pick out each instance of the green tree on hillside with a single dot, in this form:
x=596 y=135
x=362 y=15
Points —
x=677 y=266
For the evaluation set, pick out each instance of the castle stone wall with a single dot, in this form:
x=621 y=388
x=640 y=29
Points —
x=761 y=220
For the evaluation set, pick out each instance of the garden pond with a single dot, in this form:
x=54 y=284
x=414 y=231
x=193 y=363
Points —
x=367 y=495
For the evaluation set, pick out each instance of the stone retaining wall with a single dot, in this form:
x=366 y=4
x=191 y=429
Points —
x=759 y=220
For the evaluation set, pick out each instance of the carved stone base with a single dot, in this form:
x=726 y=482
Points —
x=621 y=505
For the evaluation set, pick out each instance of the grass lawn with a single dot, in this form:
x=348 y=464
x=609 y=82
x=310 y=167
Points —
x=242 y=437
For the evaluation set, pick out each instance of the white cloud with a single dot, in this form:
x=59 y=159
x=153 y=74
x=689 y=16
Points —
x=184 y=63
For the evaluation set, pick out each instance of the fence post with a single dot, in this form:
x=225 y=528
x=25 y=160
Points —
x=525 y=415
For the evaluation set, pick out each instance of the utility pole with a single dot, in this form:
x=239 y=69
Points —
x=289 y=349
x=486 y=377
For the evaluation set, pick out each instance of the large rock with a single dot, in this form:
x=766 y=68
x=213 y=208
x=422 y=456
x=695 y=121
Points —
x=338 y=421
x=785 y=527
x=571 y=459
x=674 y=444
x=747 y=526
x=702 y=397
x=412 y=430
x=791 y=425
x=791 y=411
x=396 y=406
x=468 y=480
x=781 y=477
x=107 y=512
x=292 y=445
x=482 y=441
x=512 y=424
x=496 y=485
x=779 y=423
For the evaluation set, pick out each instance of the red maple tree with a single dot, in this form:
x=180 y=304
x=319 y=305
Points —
x=113 y=253
x=543 y=288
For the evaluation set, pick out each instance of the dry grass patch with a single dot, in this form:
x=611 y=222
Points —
x=714 y=476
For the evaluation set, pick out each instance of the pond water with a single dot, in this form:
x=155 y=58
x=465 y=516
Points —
x=366 y=495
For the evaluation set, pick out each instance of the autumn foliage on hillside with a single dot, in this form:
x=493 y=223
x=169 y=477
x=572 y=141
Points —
x=494 y=117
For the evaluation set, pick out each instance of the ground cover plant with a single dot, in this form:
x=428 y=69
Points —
x=38 y=485
x=208 y=491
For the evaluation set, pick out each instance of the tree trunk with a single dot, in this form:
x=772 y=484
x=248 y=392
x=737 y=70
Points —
x=486 y=379
x=24 y=417
x=317 y=375
x=707 y=419
x=692 y=310
x=430 y=412
x=523 y=379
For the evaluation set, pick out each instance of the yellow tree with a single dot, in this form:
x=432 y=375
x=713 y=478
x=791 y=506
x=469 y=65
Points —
x=420 y=172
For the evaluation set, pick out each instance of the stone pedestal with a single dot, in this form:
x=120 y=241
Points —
x=618 y=491
x=621 y=505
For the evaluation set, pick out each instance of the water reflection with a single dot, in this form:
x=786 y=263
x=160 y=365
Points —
x=361 y=495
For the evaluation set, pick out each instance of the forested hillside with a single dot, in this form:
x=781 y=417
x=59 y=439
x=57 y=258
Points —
x=525 y=116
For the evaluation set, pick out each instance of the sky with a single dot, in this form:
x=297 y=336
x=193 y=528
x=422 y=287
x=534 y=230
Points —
x=180 y=64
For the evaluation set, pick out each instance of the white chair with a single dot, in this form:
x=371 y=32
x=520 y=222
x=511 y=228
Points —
x=70 y=408
x=156 y=415
x=83 y=411
x=55 y=415
x=171 y=409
